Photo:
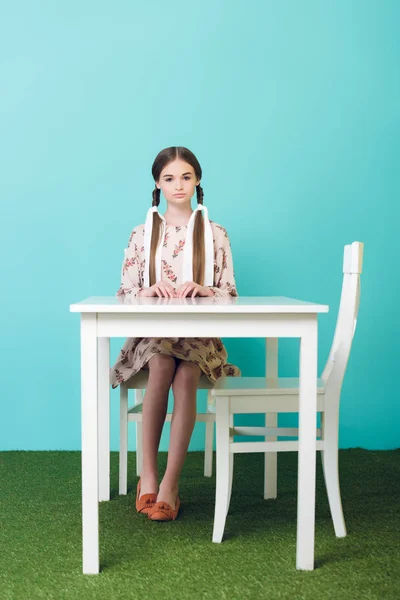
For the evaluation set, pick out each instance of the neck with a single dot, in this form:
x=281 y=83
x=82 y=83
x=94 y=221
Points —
x=178 y=216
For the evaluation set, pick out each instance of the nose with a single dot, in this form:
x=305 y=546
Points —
x=178 y=185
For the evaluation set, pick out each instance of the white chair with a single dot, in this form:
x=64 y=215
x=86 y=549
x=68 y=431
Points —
x=139 y=383
x=263 y=395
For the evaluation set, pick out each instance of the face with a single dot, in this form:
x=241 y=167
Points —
x=178 y=182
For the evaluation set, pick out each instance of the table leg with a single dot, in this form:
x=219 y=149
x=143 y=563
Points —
x=307 y=447
x=103 y=383
x=90 y=506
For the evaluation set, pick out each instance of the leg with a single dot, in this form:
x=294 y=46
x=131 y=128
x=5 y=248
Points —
x=184 y=387
x=231 y=456
x=123 y=438
x=90 y=492
x=307 y=448
x=103 y=378
x=208 y=447
x=139 y=435
x=222 y=420
x=271 y=420
x=162 y=369
x=103 y=383
x=270 y=460
x=330 y=429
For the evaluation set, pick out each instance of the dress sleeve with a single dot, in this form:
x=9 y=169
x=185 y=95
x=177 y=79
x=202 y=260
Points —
x=131 y=270
x=224 y=277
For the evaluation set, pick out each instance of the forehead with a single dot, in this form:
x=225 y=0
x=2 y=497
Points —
x=177 y=168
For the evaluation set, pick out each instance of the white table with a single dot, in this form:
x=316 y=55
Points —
x=264 y=317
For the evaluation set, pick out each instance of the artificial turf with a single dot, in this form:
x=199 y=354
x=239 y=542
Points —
x=40 y=533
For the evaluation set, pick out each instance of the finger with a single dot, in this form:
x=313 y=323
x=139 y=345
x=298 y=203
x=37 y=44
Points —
x=195 y=291
x=186 y=288
x=161 y=291
x=187 y=291
x=182 y=288
x=161 y=288
x=169 y=290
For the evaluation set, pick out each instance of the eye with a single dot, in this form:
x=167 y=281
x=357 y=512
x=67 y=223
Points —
x=187 y=177
x=169 y=179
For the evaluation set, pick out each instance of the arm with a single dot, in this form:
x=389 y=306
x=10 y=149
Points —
x=131 y=276
x=224 y=277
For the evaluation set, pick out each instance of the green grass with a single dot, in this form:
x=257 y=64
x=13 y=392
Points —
x=40 y=534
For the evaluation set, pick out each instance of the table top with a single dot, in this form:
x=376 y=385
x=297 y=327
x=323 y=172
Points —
x=232 y=305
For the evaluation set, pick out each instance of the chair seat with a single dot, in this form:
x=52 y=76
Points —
x=231 y=386
x=260 y=386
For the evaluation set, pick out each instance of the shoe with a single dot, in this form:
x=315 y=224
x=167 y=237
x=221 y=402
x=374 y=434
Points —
x=145 y=503
x=162 y=511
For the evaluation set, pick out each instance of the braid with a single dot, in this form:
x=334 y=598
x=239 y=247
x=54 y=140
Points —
x=155 y=237
x=156 y=196
x=199 y=257
x=200 y=194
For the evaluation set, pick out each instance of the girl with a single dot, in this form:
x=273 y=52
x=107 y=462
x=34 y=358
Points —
x=178 y=255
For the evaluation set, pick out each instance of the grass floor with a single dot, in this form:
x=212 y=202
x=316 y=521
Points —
x=40 y=534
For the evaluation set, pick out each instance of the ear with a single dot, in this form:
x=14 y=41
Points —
x=158 y=186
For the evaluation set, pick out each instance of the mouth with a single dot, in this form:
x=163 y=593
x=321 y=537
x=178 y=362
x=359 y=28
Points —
x=179 y=195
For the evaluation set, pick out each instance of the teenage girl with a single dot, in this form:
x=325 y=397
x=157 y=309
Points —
x=181 y=254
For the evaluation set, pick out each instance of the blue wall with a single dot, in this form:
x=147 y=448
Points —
x=293 y=110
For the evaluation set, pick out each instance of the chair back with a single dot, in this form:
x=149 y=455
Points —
x=336 y=364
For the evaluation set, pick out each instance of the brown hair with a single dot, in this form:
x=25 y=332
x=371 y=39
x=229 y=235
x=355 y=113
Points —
x=162 y=159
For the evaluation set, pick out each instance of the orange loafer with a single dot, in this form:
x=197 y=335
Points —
x=145 y=503
x=162 y=511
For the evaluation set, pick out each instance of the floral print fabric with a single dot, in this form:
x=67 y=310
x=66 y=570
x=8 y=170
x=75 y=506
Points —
x=208 y=353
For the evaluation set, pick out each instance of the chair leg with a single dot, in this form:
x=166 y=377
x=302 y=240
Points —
x=222 y=475
x=270 y=461
x=123 y=439
x=139 y=453
x=330 y=464
x=231 y=457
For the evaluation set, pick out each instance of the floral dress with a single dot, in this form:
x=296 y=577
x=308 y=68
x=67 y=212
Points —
x=208 y=353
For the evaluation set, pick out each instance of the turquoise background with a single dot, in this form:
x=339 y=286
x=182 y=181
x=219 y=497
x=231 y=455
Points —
x=293 y=110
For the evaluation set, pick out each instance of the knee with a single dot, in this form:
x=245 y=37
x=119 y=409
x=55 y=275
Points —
x=187 y=376
x=162 y=364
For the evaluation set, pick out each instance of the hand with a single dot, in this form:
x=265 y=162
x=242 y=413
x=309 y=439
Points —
x=162 y=289
x=194 y=289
